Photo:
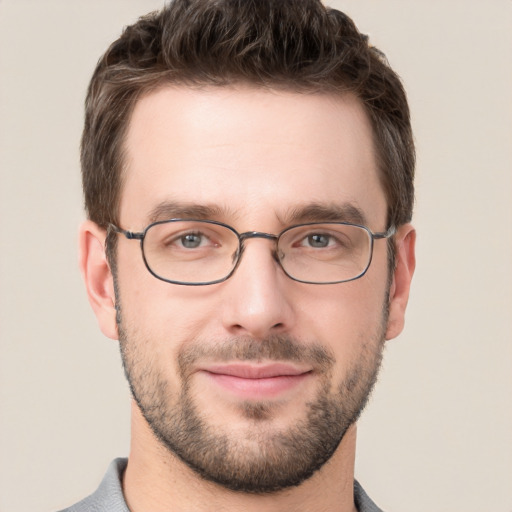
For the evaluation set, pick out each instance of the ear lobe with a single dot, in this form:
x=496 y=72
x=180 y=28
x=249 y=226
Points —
x=97 y=276
x=405 y=262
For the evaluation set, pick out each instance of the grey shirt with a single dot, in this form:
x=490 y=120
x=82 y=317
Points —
x=109 y=495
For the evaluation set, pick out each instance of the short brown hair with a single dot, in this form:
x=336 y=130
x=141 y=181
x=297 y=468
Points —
x=291 y=44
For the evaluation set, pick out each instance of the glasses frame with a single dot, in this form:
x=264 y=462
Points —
x=242 y=237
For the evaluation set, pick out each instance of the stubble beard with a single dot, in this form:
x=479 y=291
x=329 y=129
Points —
x=266 y=459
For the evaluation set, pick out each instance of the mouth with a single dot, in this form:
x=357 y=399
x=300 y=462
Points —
x=257 y=381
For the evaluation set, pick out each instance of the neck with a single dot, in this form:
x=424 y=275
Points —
x=156 y=480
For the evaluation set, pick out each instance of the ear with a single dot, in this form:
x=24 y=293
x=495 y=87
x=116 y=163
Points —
x=98 y=278
x=405 y=263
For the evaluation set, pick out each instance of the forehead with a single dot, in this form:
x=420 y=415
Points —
x=248 y=153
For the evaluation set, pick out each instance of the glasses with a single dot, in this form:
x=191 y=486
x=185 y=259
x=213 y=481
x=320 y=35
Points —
x=203 y=252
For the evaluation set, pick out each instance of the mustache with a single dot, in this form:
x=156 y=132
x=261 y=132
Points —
x=245 y=348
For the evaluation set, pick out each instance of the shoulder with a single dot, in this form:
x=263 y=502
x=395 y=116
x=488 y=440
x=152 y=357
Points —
x=363 y=502
x=109 y=495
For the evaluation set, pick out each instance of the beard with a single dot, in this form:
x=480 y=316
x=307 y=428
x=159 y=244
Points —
x=264 y=458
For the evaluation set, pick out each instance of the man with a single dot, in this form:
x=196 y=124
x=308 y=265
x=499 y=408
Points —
x=247 y=170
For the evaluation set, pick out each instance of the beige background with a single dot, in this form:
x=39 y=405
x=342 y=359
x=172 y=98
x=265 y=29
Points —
x=437 y=435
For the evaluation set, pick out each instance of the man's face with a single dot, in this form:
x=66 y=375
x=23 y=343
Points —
x=253 y=381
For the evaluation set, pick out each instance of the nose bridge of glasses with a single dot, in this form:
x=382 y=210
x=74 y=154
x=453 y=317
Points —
x=257 y=234
x=242 y=237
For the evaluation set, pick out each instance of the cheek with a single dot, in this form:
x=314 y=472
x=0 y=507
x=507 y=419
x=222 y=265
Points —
x=350 y=320
x=165 y=315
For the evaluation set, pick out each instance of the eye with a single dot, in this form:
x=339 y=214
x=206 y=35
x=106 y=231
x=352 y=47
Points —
x=187 y=239
x=192 y=240
x=318 y=240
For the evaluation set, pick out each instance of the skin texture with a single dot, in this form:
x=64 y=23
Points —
x=258 y=160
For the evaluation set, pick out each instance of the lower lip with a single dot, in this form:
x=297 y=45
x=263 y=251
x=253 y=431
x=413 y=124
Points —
x=258 y=389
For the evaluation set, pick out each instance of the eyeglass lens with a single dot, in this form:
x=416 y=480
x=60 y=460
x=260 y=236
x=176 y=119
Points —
x=193 y=252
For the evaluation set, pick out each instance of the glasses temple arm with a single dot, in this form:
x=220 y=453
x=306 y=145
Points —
x=387 y=234
x=128 y=234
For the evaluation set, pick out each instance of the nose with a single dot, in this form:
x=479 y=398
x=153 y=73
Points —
x=257 y=298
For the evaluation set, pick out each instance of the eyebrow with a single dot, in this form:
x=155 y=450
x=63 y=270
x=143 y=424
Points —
x=179 y=210
x=310 y=212
x=331 y=212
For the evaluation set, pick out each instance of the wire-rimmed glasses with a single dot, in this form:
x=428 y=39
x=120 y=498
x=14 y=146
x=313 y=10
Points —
x=202 y=252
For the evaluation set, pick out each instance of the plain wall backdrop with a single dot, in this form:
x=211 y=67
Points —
x=437 y=435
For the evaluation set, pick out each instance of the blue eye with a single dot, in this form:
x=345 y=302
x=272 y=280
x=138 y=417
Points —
x=191 y=240
x=319 y=241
